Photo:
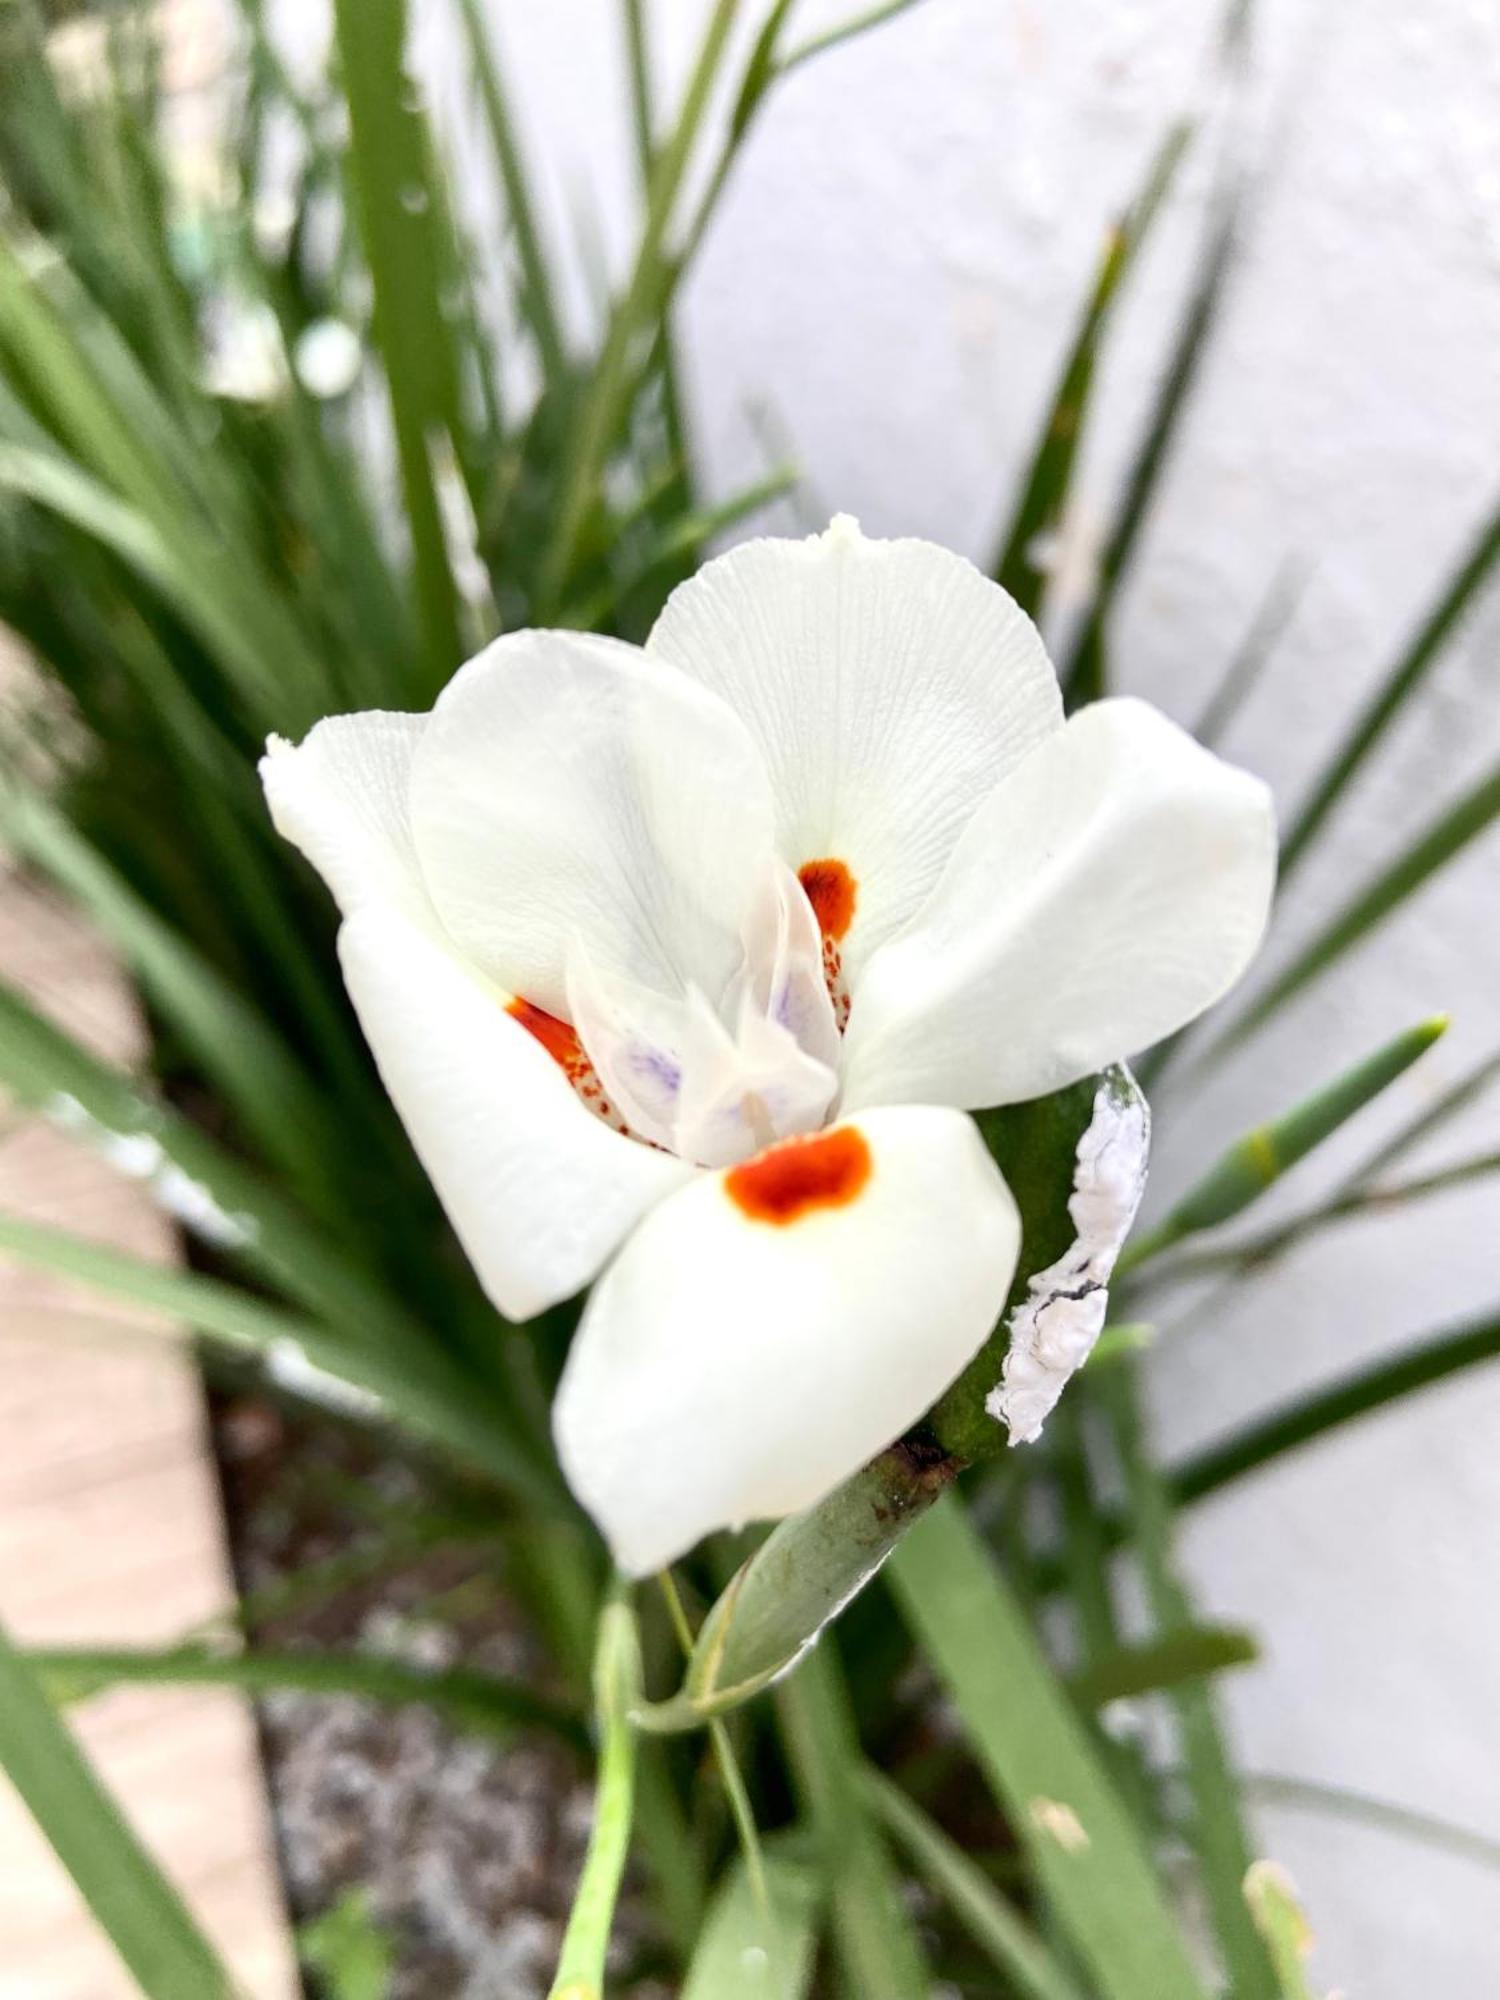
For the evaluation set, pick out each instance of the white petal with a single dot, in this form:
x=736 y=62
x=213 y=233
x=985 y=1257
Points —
x=785 y=980
x=569 y=785
x=733 y=1367
x=539 y=1191
x=889 y=686
x=341 y=797
x=1112 y=888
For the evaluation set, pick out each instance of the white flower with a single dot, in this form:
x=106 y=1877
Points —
x=685 y=964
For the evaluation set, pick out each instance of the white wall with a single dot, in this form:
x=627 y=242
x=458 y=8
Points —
x=893 y=276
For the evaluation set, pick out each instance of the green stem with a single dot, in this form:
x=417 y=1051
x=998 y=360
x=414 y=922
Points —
x=617 y=1666
x=729 y=1769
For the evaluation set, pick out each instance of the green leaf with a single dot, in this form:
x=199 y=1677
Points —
x=1259 y=1159
x=427 y=1392
x=352 y=1956
x=806 y=1571
x=606 y=401
x=1278 y=1916
x=1191 y=1653
x=1253 y=655
x=873 y=1937
x=1083 y=675
x=845 y=31
x=1401 y=1821
x=1357 y=1395
x=480 y=1702
x=999 y=1929
x=1255 y=1252
x=1080 y=1840
x=617 y=1674
x=388 y=163
x=1049 y=479
x=1469 y=816
x=1216 y=1827
x=1431 y=1118
x=188 y=576
x=190 y=1176
x=269 y=1091
x=1404 y=680
x=537 y=292
x=138 y=1910
x=740 y=1957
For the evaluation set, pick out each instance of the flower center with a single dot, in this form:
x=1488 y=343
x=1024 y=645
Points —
x=712 y=1077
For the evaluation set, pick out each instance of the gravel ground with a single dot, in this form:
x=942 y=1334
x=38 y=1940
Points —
x=464 y=1852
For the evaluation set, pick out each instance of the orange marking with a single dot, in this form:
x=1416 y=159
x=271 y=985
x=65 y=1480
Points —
x=831 y=890
x=827 y=1170
x=556 y=1037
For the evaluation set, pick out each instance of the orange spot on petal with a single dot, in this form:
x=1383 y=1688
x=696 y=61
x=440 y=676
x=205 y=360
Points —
x=831 y=890
x=782 y=1184
x=556 y=1037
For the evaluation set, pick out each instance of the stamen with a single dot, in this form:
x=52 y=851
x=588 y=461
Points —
x=561 y=1042
x=832 y=892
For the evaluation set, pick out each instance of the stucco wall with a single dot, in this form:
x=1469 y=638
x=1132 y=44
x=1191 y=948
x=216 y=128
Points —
x=889 y=286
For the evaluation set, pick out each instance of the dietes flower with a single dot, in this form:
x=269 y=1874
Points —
x=685 y=964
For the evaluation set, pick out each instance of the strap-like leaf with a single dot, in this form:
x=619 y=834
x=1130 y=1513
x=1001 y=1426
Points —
x=136 y=1907
x=1079 y=1838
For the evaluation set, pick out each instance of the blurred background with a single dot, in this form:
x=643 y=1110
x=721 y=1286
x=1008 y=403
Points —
x=884 y=299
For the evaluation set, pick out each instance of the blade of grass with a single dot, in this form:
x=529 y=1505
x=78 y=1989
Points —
x=1083 y=676
x=388 y=166
x=617 y=1673
x=269 y=1091
x=188 y=577
x=606 y=401
x=481 y=1702
x=1357 y=1395
x=1469 y=1087
x=1253 y=1163
x=1242 y=676
x=1277 y=1915
x=1404 y=679
x=538 y=291
x=735 y=1790
x=1192 y=1652
x=845 y=31
x=50 y=1072
x=1216 y=1828
x=999 y=1929
x=738 y=1957
x=1465 y=820
x=1403 y=1821
x=432 y=1398
x=1049 y=478
x=136 y=1907
x=1254 y=1253
x=1077 y=1835
x=873 y=1937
